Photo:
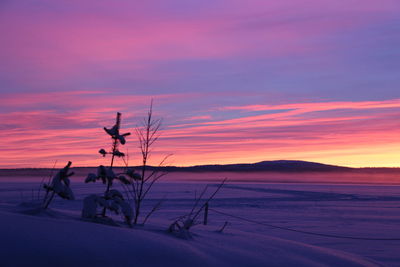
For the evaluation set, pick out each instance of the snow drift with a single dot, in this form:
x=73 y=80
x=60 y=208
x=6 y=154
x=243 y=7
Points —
x=43 y=241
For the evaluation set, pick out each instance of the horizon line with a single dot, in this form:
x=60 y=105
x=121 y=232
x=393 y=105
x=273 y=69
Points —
x=211 y=164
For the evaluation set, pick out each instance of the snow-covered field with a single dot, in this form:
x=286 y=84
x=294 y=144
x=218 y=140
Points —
x=59 y=236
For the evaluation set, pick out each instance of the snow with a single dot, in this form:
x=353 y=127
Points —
x=60 y=237
x=57 y=242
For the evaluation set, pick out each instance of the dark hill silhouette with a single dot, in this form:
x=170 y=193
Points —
x=283 y=166
x=273 y=166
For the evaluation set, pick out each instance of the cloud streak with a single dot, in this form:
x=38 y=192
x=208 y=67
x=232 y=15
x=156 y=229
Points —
x=312 y=131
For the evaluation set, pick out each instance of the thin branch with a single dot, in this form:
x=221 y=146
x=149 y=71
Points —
x=159 y=165
x=151 y=184
x=198 y=200
x=42 y=182
x=210 y=198
x=154 y=209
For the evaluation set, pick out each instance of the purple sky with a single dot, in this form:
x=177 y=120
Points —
x=235 y=81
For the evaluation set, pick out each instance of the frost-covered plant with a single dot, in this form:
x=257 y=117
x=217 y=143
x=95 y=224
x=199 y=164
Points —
x=60 y=185
x=107 y=176
x=112 y=199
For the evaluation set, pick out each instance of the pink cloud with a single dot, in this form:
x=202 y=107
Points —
x=392 y=103
x=75 y=109
x=44 y=136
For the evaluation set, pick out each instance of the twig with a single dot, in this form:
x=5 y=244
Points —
x=210 y=198
x=42 y=182
x=154 y=209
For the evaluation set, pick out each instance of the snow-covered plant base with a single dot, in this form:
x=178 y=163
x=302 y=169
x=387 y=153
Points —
x=112 y=200
x=181 y=226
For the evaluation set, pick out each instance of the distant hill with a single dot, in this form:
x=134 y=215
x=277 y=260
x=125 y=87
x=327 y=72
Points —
x=283 y=166
x=271 y=166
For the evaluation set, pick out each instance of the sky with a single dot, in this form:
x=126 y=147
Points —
x=233 y=81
